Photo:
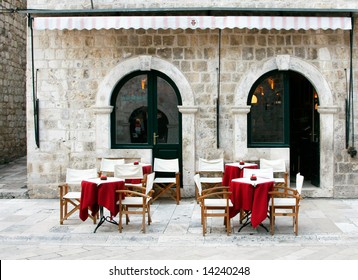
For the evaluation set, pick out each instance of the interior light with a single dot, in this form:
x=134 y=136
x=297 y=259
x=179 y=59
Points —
x=253 y=99
x=144 y=83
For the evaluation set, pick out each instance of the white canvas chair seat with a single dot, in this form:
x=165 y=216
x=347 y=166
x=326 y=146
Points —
x=72 y=195
x=69 y=195
x=211 y=180
x=137 y=202
x=216 y=202
x=211 y=206
x=164 y=180
x=163 y=184
x=285 y=202
x=279 y=180
x=134 y=200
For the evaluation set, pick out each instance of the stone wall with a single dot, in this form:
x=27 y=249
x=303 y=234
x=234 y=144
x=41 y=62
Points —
x=72 y=65
x=12 y=82
x=69 y=76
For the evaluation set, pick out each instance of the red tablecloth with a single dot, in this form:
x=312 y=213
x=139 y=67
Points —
x=94 y=195
x=252 y=198
x=147 y=168
x=234 y=170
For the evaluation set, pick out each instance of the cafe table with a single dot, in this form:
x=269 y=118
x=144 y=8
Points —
x=235 y=170
x=250 y=196
x=96 y=194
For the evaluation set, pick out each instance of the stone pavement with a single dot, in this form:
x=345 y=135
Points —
x=13 y=179
x=30 y=230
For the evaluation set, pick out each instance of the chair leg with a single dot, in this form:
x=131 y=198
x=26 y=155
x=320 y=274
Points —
x=272 y=220
x=149 y=217
x=228 y=226
x=202 y=214
x=143 y=220
x=296 y=221
x=177 y=193
x=241 y=216
x=61 y=211
x=204 y=222
x=127 y=217
x=65 y=210
x=120 y=218
x=196 y=196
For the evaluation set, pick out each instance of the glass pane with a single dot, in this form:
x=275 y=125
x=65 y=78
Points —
x=131 y=111
x=267 y=111
x=167 y=114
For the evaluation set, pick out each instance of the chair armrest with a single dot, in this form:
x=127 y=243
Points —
x=278 y=188
x=133 y=193
x=215 y=189
x=134 y=188
x=278 y=194
x=282 y=191
x=224 y=193
x=63 y=189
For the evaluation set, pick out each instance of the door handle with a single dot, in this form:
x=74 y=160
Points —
x=155 y=136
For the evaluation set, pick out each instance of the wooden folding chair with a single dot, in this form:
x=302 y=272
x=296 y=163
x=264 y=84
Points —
x=210 y=205
x=167 y=177
x=138 y=198
x=285 y=203
x=70 y=193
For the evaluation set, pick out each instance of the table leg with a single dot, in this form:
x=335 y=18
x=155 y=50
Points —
x=247 y=219
x=104 y=219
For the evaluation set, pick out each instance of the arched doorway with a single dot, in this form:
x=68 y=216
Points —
x=146 y=114
x=102 y=109
x=304 y=129
x=327 y=111
x=283 y=114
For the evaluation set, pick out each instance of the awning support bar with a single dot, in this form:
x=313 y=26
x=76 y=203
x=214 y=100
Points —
x=350 y=118
x=34 y=95
x=218 y=97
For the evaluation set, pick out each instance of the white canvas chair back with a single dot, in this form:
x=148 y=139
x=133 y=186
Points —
x=198 y=183
x=107 y=165
x=299 y=182
x=149 y=183
x=278 y=165
x=166 y=165
x=128 y=171
x=279 y=169
x=215 y=165
x=266 y=173
x=75 y=176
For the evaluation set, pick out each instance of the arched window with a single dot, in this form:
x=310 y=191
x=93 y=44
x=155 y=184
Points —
x=268 y=120
x=145 y=111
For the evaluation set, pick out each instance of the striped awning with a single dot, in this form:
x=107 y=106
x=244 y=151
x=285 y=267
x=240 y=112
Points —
x=192 y=22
